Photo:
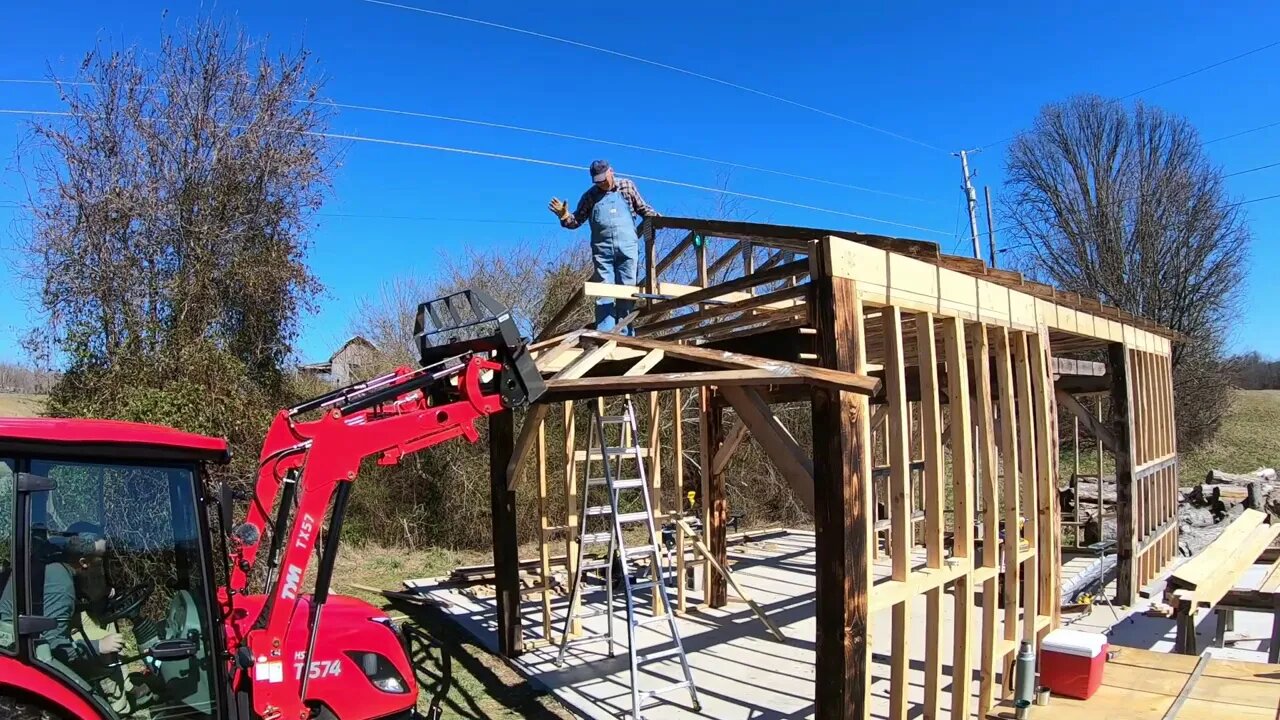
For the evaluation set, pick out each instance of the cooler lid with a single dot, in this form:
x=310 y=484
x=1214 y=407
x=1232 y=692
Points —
x=1074 y=642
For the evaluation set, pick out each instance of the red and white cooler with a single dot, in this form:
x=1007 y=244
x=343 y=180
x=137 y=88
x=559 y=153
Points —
x=1071 y=662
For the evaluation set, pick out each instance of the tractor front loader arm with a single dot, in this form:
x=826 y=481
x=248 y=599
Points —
x=472 y=366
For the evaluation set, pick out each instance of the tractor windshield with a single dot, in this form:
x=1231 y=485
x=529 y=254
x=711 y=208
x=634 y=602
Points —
x=114 y=559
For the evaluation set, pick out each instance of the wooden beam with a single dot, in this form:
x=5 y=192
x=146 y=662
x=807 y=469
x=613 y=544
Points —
x=714 y=508
x=1091 y=424
x=587 y=360
x=710 y=293
x=703 y=550
x=900 y=501
x=607 y=384
x=723 y=261
x=1009 y=491
x=646 y=363
x=834 y=379
x=1030 y=532
x=962 y=500
x=1047 y=452
x=1126 y=507
x=930 y=430
x=529 y=431
x=578 y=296
x=988 y=482
x=778 y=444
x=506 y=548
x=737 y=433
x=843 y=504
x=775 y=298
x=674 y=255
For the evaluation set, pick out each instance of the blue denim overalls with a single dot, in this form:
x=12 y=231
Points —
x=614 y=247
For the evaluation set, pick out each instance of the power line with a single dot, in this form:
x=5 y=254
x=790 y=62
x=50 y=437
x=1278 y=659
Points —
x=1256 y=169
x=423 y=218
x=1242 y=132
x=1224 y=207
x=568 y=166
x=614 y=143
x=1197 y=71
x=1151 y=87
x=582 y=138
x=655 y=63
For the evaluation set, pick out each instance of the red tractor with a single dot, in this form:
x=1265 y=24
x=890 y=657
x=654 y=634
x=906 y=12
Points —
x=114 y=603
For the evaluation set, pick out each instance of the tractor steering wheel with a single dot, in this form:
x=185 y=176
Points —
x=127 y=603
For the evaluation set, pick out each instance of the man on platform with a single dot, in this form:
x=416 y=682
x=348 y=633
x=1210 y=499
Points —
x=611 y=205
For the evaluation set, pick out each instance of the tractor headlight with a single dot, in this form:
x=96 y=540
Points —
x=379 y=671
x=389 y=684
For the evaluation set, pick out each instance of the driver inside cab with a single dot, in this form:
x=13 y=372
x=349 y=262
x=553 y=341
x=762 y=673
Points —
x=75 y=593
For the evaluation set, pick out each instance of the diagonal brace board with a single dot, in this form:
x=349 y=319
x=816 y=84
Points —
x=710 y=557
x=1091 y=423
x=538 y=412
x=776 y=441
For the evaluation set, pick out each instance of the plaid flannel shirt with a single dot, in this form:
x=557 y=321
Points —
x=594 y=194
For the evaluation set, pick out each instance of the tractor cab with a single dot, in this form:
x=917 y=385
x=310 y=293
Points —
x=106 y=585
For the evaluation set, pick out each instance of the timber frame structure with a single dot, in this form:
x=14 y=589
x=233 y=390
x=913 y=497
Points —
x=934 y=384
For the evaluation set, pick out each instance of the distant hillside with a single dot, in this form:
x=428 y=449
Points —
x=1249 y=439
x=20 y=405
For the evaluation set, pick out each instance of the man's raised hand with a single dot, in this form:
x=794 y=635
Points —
x=559 y=207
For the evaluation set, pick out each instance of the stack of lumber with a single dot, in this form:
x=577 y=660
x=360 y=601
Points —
x=1203 y=580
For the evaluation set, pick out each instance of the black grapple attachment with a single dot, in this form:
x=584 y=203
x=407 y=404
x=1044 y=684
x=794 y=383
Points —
x=471 y=321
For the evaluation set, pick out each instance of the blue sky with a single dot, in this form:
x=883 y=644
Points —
x=949 y=76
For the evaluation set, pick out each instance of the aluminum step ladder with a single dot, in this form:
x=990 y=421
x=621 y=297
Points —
x=628 y=492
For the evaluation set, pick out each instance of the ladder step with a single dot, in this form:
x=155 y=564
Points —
x=627 y=484
x=599 y=510
x=581 y=455
x=665 y=617
x=616 y=419
x=641 y=516
x=640 y=550
x=594 y=538
x=659 y=691
x=596 y=565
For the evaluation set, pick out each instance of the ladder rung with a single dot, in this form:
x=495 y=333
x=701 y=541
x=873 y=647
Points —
x=641 y=516
x=667 y=689
x=598 y=565
x=629 y=452
x=642 y=585
x=591 y=638
x=653 y=620
x=640 y=550
x=590 y=538
x=600 y=510
x=619 y=419
x=627 y=484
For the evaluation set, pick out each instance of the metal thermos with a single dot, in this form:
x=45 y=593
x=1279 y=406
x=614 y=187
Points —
x=1024 y=674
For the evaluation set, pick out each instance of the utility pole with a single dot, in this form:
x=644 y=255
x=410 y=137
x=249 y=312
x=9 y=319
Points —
x=971 y=196
x=991 y=226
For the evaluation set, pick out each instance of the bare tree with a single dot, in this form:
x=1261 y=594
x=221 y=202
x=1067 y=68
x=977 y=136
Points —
x=1125 y=206
x=170 y=216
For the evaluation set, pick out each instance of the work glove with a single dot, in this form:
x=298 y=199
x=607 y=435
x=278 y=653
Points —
x=559 y=207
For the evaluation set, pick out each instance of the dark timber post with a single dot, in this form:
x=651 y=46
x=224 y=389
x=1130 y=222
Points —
x=1122 y=430
x=715 y=505
x=841 y=501
x=506 y=550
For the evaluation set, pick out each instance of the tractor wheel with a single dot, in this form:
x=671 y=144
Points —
x=20 y=709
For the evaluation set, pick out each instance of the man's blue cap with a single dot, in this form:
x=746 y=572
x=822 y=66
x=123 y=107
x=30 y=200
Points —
x=598 y=170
